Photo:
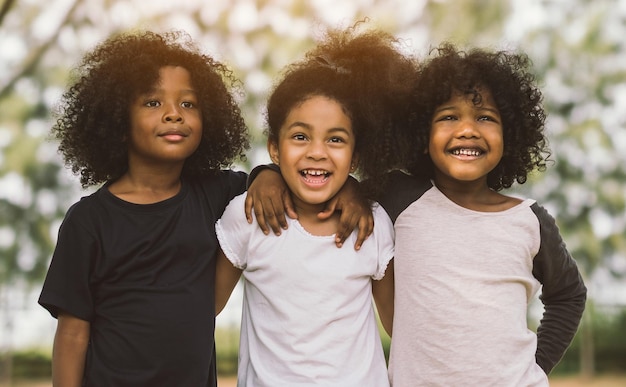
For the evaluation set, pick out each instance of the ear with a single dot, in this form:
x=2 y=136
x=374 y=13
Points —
x=355 y=162
x=272 y=149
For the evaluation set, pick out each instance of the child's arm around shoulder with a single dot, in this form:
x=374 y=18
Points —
x=69 y=350
x=563 y=293
x=269 y=198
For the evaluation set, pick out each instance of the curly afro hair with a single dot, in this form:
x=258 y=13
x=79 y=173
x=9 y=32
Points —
x=507 y=76
x=93 y=119
x=372 y=80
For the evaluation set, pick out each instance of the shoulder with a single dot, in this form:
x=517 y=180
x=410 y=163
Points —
x=82 y=221
x=400 y=191
x=235 y=205
x=222 y=186
x=379 y=213
x=233 y=176
x=553 y=259
x=548 y=229
x=234 y=217
x=383 y=226
x=86 y=206
x=544 y=218
x=225 y=178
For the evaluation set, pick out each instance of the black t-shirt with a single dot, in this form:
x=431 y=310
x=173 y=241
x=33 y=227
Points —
x=143 y=276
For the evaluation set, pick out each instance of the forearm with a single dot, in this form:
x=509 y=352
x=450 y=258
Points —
x=563 y=293
x=557 y=329
x=383 y=293
x=70 y=348
x=258 y=169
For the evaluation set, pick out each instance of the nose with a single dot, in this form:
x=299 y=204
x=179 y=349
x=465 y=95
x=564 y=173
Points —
x=467 y=129
x=316 y=150
x=172 y=113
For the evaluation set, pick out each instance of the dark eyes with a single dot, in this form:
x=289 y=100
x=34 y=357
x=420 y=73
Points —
x=155 y=103
x=451 y=117
x=447 y=117
x=302 y=137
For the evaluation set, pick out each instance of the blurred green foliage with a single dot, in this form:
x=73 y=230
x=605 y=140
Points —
x=610 y=351
x=577 y=47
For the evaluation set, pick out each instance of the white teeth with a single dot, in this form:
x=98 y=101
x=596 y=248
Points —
x=466 y=152
x=314 y=172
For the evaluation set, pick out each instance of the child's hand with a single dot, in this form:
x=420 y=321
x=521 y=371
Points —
x=269 y=196
x=355 y=210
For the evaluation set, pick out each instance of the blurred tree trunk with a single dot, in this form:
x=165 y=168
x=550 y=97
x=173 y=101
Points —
x=587 y=347
x=6 y=347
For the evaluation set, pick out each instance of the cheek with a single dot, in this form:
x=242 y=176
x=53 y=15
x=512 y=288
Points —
x=497 y=145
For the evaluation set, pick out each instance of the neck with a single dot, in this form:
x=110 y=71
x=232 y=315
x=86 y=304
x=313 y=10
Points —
x=476 y=195
x=308 y=218
x=146 y=187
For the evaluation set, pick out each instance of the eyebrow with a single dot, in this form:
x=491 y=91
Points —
x=477 y=107
x=299 y=124
x=157 y=90
x=493 y=110
x=439 y=109
x=309 y=127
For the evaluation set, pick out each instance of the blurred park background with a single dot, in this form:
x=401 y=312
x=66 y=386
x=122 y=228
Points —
x=577 y=47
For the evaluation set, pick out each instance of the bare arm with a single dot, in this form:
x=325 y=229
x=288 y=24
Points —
x=68 y=354
x=226 y=277
x=383 y=296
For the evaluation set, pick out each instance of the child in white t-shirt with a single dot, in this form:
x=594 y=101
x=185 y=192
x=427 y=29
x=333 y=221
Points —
x=308 y=316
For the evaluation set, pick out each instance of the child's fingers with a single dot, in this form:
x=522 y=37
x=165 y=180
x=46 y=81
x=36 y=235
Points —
x=289 y=207
x=330 y=208
x=253 y=204
x=347 y=223
x=275 y=216
x=260 y=218
x=366 y=227
x=248 y=205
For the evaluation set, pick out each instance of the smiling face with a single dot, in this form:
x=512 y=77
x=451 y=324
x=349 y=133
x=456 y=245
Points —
x=314 y=151
x=466 y=140
x=166 y=123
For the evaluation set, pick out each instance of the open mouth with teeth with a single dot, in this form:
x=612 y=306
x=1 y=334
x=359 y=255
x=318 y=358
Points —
x=315 y=175
x=467 y=152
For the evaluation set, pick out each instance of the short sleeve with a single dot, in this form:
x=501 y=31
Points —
x=67 y=283
x=384 y=237
x=233 y=232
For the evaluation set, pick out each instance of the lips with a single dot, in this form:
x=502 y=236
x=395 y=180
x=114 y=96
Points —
x=467 y=152
x=173 y=135
x=315 y=175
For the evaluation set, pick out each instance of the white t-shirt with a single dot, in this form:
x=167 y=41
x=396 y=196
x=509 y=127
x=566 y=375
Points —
x=308 y=317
